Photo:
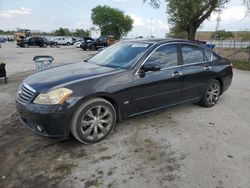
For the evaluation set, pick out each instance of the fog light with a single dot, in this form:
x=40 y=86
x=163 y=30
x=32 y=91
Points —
x=39 y=128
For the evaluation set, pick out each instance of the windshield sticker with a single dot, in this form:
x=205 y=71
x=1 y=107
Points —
x=139 y=46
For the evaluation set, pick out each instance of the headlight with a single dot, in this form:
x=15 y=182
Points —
x=57 y=96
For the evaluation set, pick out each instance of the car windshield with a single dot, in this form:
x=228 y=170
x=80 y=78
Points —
x=121 y=55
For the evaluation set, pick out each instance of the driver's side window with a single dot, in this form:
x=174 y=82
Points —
x=165 y=56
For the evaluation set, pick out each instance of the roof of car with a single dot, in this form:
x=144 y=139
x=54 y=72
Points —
x=163 y=40
x=158 y=40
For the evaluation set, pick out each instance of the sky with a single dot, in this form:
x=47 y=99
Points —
x=48 y=15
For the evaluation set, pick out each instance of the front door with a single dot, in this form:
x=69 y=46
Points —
x=156 y=89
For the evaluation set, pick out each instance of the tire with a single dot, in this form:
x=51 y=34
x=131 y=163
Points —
x=45 y=45
x=68 y=43
x=26 y=45
x=211 y=94
x=99 y=118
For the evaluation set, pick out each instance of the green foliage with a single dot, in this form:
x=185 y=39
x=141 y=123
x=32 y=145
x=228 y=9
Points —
x=2 y=32
x=177 y=33
x=242 y=65
x=62 y=32
x=188 y=15
x=111 y=21
x=80 y=33
x=222 y=34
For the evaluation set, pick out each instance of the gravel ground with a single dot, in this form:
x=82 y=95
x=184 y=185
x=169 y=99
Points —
x=183 y=146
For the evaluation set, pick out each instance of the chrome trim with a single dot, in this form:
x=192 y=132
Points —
x=30 y=88
x=136 y=73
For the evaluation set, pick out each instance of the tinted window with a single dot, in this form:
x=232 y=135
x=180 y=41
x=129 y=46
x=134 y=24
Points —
x=192 y=54
x=208 y=54
x=165 y=56
x=32 y=40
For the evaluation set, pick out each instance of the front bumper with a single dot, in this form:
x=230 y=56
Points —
x=48 y=121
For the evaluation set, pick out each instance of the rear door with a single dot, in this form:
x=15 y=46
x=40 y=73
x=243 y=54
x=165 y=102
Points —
x=156 y=89
x=196 y=71
x=32 y=41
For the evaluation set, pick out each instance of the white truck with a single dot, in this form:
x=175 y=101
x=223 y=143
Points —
x=63 y=41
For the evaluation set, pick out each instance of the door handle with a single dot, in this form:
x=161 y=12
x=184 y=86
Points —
x=207 y=68
x=176 y=74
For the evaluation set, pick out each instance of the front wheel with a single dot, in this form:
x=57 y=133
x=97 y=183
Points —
x=212 y=94
x=93 y=121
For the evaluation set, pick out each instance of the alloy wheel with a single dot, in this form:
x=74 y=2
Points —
x=96 y=122
x=213 y=93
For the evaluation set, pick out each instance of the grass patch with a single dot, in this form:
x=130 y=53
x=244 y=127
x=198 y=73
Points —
x=242 y=65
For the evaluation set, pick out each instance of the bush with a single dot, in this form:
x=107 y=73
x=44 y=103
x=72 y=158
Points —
x=242 y=65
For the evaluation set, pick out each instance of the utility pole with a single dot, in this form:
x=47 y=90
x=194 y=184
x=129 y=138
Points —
x=218 y=20
x=151 y=27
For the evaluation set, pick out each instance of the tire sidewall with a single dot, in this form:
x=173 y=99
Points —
x=75 y=126
x=204 y=99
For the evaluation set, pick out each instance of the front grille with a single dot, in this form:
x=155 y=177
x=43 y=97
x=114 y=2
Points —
x=25 y=93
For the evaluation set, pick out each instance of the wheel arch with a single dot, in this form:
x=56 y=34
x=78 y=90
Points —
x=221 y=83
x=107 y=97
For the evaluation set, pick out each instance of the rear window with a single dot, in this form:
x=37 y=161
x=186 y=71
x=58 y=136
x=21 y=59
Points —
x=192 y=54
x=208 y=54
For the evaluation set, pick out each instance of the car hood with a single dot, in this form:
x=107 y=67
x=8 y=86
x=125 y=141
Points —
x=59 y=76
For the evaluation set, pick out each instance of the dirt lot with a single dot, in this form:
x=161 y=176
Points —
x=184 y=146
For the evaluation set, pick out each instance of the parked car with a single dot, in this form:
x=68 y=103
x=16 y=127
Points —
x=63 y=41
x=78 y=43
x=126 y=79
x=104 y=41
x=99 y=43
x=88 y=43
x=33 y=41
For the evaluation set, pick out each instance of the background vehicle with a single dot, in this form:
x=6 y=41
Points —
x=33 y=41
x=2 y=40
x=104 y=41
x=87 y=43
x=124 y=80
x=78 y=43
x=22 y=34
x=63 y=41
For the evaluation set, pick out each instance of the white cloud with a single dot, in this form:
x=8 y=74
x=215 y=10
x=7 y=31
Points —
x=137 y=20
x=143 y=26
x=236 y=12
x=15 y=12
x=52 y=17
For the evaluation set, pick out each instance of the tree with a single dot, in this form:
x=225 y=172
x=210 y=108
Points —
x=80 y=33
x=111 y=21
x=222 y=34
x=62 y=32
x=188 y=15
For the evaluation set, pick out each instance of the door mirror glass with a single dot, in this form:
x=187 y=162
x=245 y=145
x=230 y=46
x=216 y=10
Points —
x=150 y=67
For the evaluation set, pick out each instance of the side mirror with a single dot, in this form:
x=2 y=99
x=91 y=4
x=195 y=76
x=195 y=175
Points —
x=150 y=67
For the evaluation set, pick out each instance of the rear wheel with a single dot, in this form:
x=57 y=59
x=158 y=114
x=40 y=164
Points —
x=68 y=43
x=45 y=45
x=93 y=121
x=26 y=45
x=212 y=94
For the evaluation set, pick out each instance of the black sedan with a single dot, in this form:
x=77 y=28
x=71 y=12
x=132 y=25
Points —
x=124 y=80
x=33 y=41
